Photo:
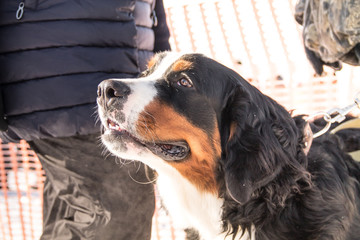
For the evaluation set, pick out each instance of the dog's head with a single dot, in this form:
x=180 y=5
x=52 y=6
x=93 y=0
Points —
x=190 y=113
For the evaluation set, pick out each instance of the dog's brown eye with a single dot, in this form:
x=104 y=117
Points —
x=185 y=83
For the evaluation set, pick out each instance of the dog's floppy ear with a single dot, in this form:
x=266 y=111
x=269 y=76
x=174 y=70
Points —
x=258 y=138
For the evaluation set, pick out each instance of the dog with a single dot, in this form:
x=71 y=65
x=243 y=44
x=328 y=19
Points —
x=230 y=161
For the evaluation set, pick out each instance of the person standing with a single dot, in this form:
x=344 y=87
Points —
x=53 y=54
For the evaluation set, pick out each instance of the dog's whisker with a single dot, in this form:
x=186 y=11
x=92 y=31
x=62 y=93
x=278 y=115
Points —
x=138 y=166
x=120 y=161
x=152 y=116
x=143 y=183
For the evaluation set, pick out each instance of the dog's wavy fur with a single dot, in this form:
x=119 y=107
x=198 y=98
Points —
x=268 y=181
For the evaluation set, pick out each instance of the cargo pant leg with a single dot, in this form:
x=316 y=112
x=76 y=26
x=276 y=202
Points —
x=88 y=196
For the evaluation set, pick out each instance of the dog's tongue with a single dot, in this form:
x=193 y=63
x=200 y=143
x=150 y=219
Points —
x=167 y=147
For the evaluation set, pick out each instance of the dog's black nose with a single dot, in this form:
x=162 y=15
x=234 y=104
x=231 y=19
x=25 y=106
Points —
x=112 y=89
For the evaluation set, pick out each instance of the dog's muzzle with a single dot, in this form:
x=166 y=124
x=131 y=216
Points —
x=112 y=96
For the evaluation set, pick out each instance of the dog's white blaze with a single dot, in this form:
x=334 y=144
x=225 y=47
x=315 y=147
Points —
x=137 y=102
x=143 y=91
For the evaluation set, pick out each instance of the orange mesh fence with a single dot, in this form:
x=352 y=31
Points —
x=21 y=192
x=257 y=38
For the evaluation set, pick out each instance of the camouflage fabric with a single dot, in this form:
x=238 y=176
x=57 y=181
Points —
x=331 y=29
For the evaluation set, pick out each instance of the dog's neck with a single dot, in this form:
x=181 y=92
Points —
x=191 y=208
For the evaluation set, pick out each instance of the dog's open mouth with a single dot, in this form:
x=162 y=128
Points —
x=170 y=151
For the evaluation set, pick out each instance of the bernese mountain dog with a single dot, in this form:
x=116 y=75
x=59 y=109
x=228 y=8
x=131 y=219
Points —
x=230 y=161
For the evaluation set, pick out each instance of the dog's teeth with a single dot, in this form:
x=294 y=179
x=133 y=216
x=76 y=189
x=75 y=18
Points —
x=112 y=125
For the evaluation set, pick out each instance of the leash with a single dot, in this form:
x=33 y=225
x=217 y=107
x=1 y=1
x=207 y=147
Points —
x=339 y=117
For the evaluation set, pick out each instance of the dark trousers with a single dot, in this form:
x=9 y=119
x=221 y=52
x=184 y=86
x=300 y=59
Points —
x=90 y=196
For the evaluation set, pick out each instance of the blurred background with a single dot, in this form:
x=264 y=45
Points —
x=257 y=38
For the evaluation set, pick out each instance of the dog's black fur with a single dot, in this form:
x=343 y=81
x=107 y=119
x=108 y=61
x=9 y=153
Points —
x=267 y=180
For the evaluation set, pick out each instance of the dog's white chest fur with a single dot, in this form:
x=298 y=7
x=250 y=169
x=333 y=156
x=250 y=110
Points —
x=191 y=208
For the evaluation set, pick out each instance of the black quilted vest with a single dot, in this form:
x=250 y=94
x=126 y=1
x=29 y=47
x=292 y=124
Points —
x=54 y=53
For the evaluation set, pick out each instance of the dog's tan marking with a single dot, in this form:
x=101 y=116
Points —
x=181 y=65
x=233 y=127
x=159 y=122
x=152 y=62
